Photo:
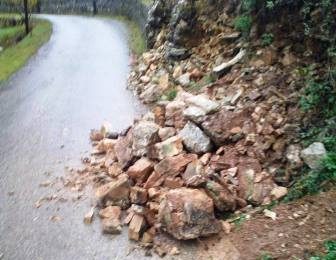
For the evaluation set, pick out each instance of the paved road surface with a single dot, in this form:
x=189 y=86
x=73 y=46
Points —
x=74 y=83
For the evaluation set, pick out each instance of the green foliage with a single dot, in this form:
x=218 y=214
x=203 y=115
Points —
x=314 y=181
x=267 y=39
x=171 y=94
x=243 y=24
x=265 y=256
x=11 y=35
x=330 y=246
x=238 y=221
x=13 y=58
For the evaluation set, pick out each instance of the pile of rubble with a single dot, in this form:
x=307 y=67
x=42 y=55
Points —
x=221 y=136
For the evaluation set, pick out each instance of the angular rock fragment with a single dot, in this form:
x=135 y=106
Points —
x=140 y=170
x=144 y=134
x=188 y=214
x=313 y=155
x=194 y=174
x=194 y=139
x=204 y=103
x=218 y=126
x=89 y=217
x=222 y=197
x=123 y=150
x=173 y=166
x=224 y=67
x=136 y=227
x=111 y=223
x=138 y=195
x=166 y=132
x=170 y=147
x=115 y=192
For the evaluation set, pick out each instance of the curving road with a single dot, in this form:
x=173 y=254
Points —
x=74 y=83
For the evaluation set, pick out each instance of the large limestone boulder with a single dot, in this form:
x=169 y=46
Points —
x=313 y=155
x=194 y=139
x=188 y=214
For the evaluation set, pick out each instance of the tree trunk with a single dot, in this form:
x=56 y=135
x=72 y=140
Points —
x=26 y=17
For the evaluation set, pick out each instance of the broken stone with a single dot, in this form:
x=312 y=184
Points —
x=193 y=175
x=279 y=192
x=270 y=214
x=154 y=180
x=138 y=195
x=166 y=132
x=313 y=155
x=144 y=134
x=115 y=192
x=184 y=79
x=188 y=214
x=111 y=223
x=194 y=139
x=224 y=67
x=96 y=135
x=174 y=114
x=170 y=147
x=194 y=114
x=89 y=217
x=173 y=183
x=140 y=170
x=173 y=166
x=218 y=126
x=136 y=227
x=222 y=197
x=202 y=102
x=123 y=150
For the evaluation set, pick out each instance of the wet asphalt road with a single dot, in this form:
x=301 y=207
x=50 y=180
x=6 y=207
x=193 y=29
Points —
x=75 y=82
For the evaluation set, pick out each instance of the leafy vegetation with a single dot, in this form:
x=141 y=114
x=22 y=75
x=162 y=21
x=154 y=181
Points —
x=265 y=256
x=267 y=39
x=330 y=247
x=313 y=181
x=243 y=24
x=11 y=35
x=14 y=57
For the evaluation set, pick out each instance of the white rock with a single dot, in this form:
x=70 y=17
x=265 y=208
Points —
x=270 y=214
x=279 y=192
x=313 y=155
x=194 y=113
x=184 y=79
x=144 y=134
x=194 y=139
x=202 y=102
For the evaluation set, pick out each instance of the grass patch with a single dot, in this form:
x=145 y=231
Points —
x=11 y=35
x=13 y=58
x=136 y=39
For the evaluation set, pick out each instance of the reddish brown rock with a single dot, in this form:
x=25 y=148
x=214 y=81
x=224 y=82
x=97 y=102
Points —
x=222 y=197
x=123 y=150
x=173 y=166
x=188 y=214
x=218 y=126
x=140 y=170
x=194 y=174
x=174 y=114
x=154 y=180
x=111 y=223
x=173 y=183
x=136 y=227
x=138 y=195
x=115 y=192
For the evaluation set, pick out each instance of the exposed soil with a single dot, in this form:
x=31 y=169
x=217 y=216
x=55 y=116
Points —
x=298 y=232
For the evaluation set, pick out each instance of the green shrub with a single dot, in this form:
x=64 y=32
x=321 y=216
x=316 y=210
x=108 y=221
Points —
x=330 y=246
x=313 y=181
x=267 y=39
x=171 y=94
x=243 y=24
